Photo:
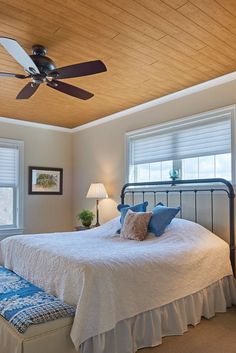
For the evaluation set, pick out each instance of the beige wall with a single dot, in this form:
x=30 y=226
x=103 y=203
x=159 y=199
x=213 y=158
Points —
x=99 y=151
x=96 y=154
x=43 y=213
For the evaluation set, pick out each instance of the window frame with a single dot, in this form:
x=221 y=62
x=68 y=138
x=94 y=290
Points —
x=18 y=191
x=229 y=112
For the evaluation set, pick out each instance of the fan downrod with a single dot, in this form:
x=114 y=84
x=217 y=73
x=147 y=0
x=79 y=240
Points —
x=40 y=50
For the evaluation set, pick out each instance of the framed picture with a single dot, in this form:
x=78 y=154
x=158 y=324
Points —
x=45 y=181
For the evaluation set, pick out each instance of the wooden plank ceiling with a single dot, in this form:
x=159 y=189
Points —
x=150 y=47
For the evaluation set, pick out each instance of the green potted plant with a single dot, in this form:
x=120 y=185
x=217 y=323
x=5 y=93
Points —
x=86 y=217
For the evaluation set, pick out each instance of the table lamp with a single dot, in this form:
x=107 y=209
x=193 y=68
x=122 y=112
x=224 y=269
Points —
x=97 y=191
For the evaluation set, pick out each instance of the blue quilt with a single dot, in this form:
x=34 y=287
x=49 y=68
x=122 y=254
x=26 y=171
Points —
x=22 y=304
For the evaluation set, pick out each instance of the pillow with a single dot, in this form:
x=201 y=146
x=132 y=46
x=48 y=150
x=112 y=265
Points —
x=141 y=207
x=120 y=206
x=161 y=217
x=135 y=225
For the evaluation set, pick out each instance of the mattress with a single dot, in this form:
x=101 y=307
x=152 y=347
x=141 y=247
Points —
x=111 y=279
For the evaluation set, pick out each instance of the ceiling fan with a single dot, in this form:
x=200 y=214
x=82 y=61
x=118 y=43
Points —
x=41 y=69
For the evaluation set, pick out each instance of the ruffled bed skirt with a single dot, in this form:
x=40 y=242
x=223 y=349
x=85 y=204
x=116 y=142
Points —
x=143 y=330
x=147 y=329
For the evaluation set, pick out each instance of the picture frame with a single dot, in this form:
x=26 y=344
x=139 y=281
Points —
x=45 y=181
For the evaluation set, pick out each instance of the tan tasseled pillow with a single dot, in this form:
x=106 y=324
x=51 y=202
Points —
x=135 y=225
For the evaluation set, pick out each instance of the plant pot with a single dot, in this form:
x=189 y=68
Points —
x=86 y=224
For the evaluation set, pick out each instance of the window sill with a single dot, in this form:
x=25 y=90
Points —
x=11 y=231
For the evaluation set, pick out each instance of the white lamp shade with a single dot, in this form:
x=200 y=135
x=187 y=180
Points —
x=97 y=191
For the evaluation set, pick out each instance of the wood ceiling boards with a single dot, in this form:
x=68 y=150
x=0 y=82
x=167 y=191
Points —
x=150 y=47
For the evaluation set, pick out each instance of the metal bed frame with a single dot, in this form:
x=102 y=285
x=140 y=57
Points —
x=210 y=188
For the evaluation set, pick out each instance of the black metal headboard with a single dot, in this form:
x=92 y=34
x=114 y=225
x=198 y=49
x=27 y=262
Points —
x=209 y=186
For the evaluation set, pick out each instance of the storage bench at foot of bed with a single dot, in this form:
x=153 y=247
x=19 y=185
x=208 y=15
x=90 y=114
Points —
x=31 y=320
x=49 y=337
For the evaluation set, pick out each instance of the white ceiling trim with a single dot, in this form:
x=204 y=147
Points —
x=138 y=108
x=32 y=124
x=165 y=99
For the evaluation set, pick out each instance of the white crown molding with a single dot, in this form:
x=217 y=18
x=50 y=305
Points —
x=168 y=98
x=227 y=111
x=35 y=125
x=138 y=108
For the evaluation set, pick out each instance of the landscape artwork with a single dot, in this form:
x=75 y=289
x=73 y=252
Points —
x=44 y=180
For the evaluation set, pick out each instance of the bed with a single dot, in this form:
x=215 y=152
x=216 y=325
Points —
x=130 y=294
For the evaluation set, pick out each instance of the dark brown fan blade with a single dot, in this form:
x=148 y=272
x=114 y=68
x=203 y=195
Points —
x=78 y=70
x=69 y=89
x=27 y=91
x=8 y=74
x=19 y=54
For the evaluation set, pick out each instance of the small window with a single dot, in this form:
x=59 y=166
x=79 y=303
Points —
x=11 y=186
x=196 y=147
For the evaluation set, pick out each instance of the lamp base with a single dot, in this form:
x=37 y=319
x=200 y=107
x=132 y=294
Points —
x=97 y=214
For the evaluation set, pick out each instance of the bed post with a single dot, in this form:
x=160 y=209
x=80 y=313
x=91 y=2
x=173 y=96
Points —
x=232 y=231
x=231 y=196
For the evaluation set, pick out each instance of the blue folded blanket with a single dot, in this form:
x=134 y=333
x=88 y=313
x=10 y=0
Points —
x=22 y=304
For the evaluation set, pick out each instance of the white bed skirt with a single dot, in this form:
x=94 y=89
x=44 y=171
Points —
x=147 y=329
x=143 y=330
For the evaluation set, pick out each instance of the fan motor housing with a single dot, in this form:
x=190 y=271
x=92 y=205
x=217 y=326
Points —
x=43 y=63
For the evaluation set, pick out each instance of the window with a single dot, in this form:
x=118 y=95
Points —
x=11 y=188
x=198 y=147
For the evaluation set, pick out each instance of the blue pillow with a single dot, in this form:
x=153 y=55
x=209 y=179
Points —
x=121 y=205
x=161 y=217
x=141 y=207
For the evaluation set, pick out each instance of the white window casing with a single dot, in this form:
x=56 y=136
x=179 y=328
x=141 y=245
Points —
x=205 y=134
x=12 y=176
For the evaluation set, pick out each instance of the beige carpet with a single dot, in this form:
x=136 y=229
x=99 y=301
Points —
x=217 y=335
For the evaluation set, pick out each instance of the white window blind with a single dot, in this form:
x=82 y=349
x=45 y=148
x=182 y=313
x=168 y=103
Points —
x=212 y=137
x=8 y=165
x=11 y=187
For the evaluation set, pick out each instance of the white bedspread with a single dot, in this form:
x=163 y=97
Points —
x=110 y=279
